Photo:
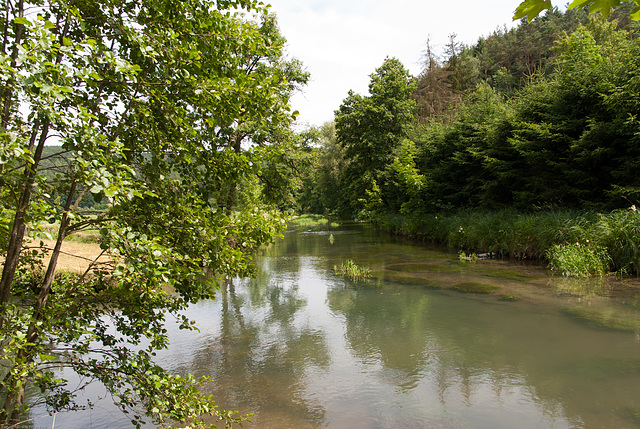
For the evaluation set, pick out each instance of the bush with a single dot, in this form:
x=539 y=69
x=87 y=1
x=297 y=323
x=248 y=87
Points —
x=578 y=260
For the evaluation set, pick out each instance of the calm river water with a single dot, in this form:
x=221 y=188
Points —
x=301 y=347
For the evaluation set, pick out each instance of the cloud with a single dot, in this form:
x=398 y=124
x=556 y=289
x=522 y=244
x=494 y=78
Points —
x=341 y=43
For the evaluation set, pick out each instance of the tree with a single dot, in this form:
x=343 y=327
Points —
x=264 y=130
x=137 y=93
x=589 y=110
x=370 y=128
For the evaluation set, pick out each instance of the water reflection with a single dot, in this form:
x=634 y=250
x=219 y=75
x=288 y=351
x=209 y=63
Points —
x=304 y=348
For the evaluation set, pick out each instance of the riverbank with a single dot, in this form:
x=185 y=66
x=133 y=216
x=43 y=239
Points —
x=573 y=243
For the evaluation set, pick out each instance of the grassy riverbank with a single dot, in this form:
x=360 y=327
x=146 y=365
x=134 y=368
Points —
x=572 y=242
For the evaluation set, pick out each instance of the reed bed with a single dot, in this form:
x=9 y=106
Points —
x=572 y=242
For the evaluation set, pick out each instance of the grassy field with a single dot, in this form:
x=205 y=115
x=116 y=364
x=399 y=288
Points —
x=76 y=256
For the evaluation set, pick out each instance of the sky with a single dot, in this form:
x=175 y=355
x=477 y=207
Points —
x=342 y=42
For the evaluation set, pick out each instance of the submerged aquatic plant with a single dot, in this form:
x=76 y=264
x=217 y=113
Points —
x=604 y=319
x=509 y=297
x=352 y=270
x=473 y=287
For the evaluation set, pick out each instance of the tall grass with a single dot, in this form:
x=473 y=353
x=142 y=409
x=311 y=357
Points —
x=603 y=242
x=350 y=269
x=309 y=220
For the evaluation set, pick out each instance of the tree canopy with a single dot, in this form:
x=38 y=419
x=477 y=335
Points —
x=148 y=102
x=541 y=115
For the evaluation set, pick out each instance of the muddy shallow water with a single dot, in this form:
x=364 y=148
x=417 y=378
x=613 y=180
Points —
x=302 y=347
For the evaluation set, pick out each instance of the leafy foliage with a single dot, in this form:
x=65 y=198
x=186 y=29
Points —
x=370 y=128
x=530 y=9
x=148 y=102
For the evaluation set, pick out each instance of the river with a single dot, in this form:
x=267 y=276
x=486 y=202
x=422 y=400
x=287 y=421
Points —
x=302 y=347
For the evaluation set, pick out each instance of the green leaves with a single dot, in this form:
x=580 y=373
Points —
x=370 y=128
x=530 y=9
x=146 y=105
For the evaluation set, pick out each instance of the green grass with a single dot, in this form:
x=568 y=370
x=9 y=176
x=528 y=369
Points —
x=309 y=220
x=578 y=260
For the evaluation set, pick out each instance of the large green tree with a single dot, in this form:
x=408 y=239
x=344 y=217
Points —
x=140 y=96
x=371 y=127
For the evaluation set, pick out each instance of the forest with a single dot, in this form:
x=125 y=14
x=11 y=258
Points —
x=540 y=119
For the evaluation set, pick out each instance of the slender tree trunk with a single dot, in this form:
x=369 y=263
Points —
x=19 y=225
x=15 y=398
x=31 y=170
x=45 y=289
x=7 y=93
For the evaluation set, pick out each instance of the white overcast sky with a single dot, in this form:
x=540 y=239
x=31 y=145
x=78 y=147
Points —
x=342 y=42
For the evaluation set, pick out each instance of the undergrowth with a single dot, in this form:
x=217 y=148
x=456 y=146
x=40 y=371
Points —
x=573 y=242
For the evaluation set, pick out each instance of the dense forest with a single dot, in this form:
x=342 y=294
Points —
x=542 y=115
x=539 y=119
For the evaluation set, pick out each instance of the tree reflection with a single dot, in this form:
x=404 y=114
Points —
x=259 y=359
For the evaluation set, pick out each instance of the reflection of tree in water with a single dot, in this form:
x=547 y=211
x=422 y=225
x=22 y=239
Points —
x=257 y=362
x=471 y=352
x=388 y=330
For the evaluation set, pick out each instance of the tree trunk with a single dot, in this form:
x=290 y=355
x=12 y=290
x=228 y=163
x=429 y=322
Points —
x=19 y=225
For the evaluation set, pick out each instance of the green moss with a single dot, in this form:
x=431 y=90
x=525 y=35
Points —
x=473 y=287
x=412 y=280
x=506 y=274
x=509 y=297
x=602 y=319
x=417 y=267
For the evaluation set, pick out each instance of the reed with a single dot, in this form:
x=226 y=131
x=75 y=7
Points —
x=350 y=269
x=578 y=260
x=574 y=242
